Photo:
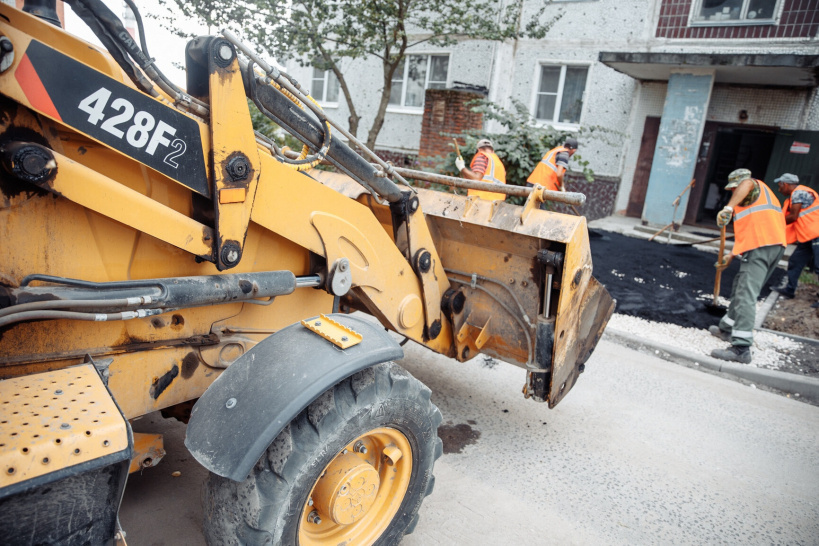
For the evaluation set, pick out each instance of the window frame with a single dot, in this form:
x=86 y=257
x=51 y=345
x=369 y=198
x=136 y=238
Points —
x=560 y=87
x=325 y=83
x=696 y=8
x=402 y=108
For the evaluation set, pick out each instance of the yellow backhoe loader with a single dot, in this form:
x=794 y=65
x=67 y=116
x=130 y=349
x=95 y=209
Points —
x=158 y=254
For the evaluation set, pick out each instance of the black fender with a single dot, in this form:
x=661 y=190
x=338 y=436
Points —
x=246 y=408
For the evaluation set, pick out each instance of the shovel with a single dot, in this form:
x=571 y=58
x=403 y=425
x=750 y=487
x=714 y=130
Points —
x=715 y=308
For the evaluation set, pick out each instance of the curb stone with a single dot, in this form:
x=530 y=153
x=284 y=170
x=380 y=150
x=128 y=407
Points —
x=805 y=387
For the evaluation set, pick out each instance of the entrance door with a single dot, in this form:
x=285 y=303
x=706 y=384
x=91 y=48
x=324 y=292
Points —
x=795 y=152
x=639 y=185
x=733 y=148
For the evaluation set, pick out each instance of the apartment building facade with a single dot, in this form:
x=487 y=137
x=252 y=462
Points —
x=683 y=89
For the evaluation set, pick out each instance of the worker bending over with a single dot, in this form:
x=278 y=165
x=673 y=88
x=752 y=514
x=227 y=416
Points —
x=759 y=242
x=801 y=210
x=486 y=166
x=551 y=169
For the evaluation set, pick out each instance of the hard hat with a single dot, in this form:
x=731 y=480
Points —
x=485 y=142
x=736 y=177
x=788 y=178
x=571 y=143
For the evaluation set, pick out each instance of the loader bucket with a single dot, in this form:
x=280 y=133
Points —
x=521 y=290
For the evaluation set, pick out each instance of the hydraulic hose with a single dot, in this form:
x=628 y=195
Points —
x=109 y=29
x=304 y=161
x=339 y=154
x=94 y=317
x=75 y=304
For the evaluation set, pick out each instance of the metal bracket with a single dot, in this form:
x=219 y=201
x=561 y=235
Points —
x=101 y=366
x=532 y=202
x=236 y=163
x=340 y=279
x=339 y=335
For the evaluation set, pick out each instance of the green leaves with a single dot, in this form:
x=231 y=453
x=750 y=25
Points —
x=322 y=33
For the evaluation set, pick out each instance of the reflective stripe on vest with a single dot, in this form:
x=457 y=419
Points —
x=806 y=225
x=768 y=205
x=490 y=176
x=810 y=209
x=760 y=224
x=550 y=156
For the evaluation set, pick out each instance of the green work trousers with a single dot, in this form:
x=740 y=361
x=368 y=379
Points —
x=755 y=269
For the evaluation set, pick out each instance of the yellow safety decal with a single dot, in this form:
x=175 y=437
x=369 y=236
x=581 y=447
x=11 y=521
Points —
x=54 y=420
x=335 y=332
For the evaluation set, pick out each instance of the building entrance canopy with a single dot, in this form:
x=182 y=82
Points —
x=786 y=70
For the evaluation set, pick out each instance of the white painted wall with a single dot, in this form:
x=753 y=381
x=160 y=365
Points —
x=612 y=100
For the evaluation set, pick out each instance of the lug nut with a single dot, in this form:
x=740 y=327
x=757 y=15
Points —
x=360 y=447
x=314 y=518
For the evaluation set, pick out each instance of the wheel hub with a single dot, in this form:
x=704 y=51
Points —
x=347 y=490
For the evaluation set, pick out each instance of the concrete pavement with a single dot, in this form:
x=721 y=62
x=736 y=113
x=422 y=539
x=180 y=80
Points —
x=642 y=451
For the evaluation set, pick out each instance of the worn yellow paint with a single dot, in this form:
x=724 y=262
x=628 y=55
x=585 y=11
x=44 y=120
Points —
x=21 y=28
x=53 y=420
x=288 y=208
x=148 y=451
x=532 y=202
x=97 y=192
x=232 y=134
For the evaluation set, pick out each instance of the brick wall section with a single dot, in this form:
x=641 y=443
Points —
x=800 y=19
x=399 y=159
x=446 y=111
x=600 y=195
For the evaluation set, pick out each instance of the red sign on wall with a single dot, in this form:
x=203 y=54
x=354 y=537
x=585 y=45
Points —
x=800 y=147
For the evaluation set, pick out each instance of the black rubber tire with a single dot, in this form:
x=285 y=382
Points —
x=266 y=508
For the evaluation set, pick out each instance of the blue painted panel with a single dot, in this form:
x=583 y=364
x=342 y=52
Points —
x=675 y=156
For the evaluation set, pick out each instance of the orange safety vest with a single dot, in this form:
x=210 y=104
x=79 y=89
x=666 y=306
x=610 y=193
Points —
x=806 y=227
x=545 y=173
x=759 y=224
x=495 y=174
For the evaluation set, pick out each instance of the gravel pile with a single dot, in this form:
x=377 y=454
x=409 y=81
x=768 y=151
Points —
x=769 y=351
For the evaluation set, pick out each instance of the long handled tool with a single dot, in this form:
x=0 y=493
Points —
x=457 y=148
x=676 y=204
x=703 y=241
x=715 y=308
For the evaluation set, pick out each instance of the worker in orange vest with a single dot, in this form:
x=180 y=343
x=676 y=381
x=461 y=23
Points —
x=551 y=169
x=801 y=211
x=759 y=243
x=486 y=166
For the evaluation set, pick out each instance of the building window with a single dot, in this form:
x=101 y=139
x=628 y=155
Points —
x=325 y=86
x=559 y=95
x=416 y=74
x=745 y=12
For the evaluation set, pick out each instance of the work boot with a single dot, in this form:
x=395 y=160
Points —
x=734 y=353
x=716 y=331
x=783 y=292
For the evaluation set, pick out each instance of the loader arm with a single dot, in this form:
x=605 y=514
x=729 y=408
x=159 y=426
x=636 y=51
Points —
x=159 y=255
x=459 y=275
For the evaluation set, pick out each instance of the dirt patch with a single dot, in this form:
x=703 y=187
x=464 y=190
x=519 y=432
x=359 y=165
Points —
x=660 y=282
x=796 y=316
x=457 y=437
